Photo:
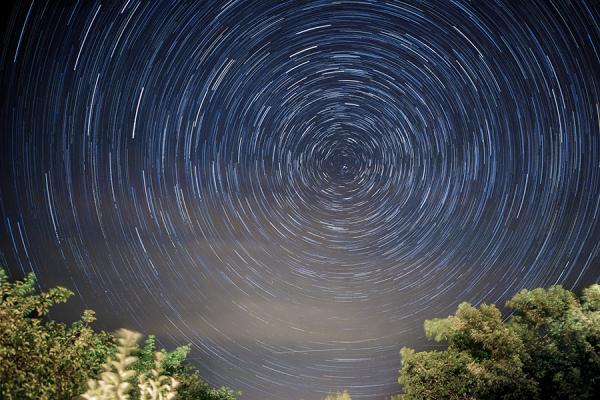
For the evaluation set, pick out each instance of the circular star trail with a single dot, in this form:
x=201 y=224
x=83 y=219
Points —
x=293 y=187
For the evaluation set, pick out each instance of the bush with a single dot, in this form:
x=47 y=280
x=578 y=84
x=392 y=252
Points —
x=115 y=382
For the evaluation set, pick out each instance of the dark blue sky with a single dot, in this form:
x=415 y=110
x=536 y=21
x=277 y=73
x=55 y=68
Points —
x=294 y=186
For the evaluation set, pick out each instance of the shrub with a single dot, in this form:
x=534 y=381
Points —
x=115 y=382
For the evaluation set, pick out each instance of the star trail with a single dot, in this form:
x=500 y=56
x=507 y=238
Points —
x=294 y=186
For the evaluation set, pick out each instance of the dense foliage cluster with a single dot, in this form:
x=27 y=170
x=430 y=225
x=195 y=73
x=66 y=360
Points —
x=43 y=359
x=120 y=378
x=548 y=349
x=338 y=396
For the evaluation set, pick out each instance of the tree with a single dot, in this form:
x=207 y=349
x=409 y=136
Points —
x=192 y=387
x=435 y=375
x=42 y=359
x=338 y=396
x=549 y=349
x=561 y=335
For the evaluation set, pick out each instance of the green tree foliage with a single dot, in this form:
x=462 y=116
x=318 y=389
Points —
x=41 y=359
x=115 y=380
x=119 y=376
x=173 y=364
x=548 y=349
x=338 y=396
x=191 y=387
x=562 y=337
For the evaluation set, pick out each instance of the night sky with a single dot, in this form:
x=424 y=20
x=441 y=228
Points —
x=294 y=186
